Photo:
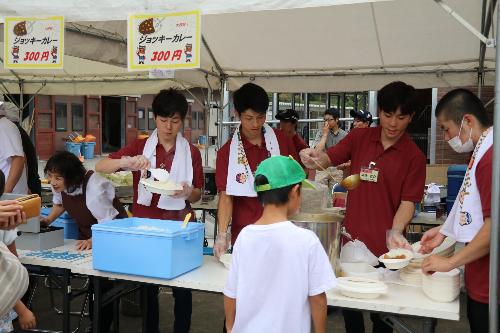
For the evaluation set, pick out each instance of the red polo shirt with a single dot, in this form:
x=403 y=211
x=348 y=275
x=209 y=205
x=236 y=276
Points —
x=477 y=273
x=299 y=143
x=247 y=210
x=371 y=207
x=165 y=158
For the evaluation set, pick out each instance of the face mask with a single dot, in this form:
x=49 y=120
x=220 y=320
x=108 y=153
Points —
x=457 y=145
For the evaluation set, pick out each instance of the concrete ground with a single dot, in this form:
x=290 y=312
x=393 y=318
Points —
x=208 y=315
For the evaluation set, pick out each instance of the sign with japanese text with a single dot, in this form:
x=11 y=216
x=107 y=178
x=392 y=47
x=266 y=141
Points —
x=168 y=41
x=34 y=42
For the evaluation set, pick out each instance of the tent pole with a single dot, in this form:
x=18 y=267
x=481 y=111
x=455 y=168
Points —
x=21 y=98
x=220 y=111
x=207 y=120
x=8 y=94
x=216 y=63
x=485 y=30
x=495 y=197
x=432 y=157
x=488 y=41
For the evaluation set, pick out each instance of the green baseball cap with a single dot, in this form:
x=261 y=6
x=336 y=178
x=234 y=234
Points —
x=281 y=171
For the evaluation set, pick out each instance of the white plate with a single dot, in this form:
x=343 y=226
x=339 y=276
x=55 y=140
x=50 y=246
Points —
x=154 y=186
x=358 y=287
x=396 y=263
x=446 y=247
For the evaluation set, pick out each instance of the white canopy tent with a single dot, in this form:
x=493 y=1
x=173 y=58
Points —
x=285 y=46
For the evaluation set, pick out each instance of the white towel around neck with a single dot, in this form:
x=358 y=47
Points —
x=466 y=216
x=181 y=171
x=238 y=170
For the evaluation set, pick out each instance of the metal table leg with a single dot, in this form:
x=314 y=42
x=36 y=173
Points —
x=97 y=298
x=66 y=301
x=116 y=315
x=429 y=325
x=144 y=306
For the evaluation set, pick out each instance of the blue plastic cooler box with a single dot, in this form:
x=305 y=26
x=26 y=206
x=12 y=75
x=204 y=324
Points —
x=64 y=221
x=147 y=247
x=456 y=174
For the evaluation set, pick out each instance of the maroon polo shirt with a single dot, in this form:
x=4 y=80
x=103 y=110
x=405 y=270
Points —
x=477 y=273
x=299 y=143
x=247 y=210
x=371 y=207
x=162 y=158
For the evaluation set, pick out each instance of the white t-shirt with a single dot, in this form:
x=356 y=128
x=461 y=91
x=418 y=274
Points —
x=11 y=145
x=275 y=268
x=8 y=236
x=99 y=197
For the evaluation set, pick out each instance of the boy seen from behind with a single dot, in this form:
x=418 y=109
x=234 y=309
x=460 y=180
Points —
x=279 y=272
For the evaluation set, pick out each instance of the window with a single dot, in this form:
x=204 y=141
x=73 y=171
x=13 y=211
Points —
x=349 y=104
x=362 y=101
x=45 y=120
x=151 y=119
x=284 y=101
x=141 y=117
x=61 y=117
x=77 y=118
x=335 y=101
x=44 y=102
x=201 y=120
x=130 y=107
x=194 y=120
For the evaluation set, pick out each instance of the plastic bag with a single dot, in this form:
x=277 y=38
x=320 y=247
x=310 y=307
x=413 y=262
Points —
x=356 y=251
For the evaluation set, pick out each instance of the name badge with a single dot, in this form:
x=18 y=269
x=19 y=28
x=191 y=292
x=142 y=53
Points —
x=369 y=174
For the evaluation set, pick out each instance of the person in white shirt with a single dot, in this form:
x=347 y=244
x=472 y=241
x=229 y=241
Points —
x=86 y=196
x=279 y=272
x=12 y=156
x=13 y=275
x=26 y=318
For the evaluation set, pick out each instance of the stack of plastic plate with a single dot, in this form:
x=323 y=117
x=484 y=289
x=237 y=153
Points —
x=358 y=287
x=446 y=249
x=413 y=272
x=411 y=275
x=442 y=287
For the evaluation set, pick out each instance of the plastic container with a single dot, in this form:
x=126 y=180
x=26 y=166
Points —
x=88 y=150
x=64 y=221
x=74 y=148
x=202 y=140
x=456 y=174
x=147 y=247
x=396 y=263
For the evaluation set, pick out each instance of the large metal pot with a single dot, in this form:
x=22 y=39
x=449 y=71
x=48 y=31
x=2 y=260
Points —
x=327 y=226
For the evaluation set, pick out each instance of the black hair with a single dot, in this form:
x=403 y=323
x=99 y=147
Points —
x=334 y=112
x=2 y=182
x=459 y=102
x=69 y=167
x=250 y=96
x=278 y=197
x=168 y=102
x=396 y=95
